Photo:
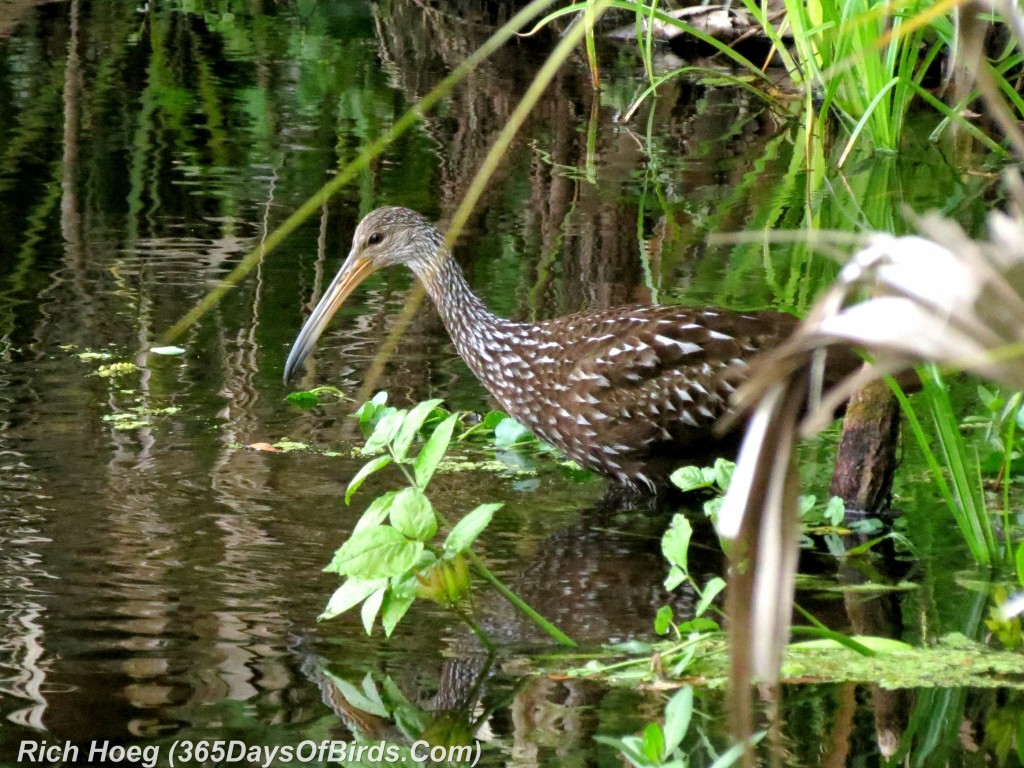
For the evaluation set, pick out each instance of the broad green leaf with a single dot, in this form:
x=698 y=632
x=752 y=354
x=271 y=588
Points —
x=509 y=431
x=700 y=624
x=676 y=576
x=373 y=465
x=712 y=507
x=430 y=455
x=411 y=426
x=723 y=473
x=675 y=544
x=376 y=513
x=711 y=590
x=413 y=516
x=835 y=510
x=384 y=432
x=303 y=399
x=663 y=619
x=689 y=478
x=677 y=718
x=349 y=594
x=493 y=419
x=654 y=743
x=396 y=602
x=464 y=532
x=376 y=553
x=371 y=412
x=370 y=608
x=806 y=504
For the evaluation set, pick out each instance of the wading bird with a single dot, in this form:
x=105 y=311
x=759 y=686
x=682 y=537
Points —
x=630 y=392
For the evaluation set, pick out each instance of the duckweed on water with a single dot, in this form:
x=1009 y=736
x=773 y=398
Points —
x=285 y=445
x=116 y=369
x=90 y=355
x=137 y=417
x=954 y=661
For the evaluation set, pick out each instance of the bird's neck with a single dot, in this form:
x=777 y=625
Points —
x=480 y=336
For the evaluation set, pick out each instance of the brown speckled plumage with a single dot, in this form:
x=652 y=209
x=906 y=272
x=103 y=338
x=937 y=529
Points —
x=631 y=392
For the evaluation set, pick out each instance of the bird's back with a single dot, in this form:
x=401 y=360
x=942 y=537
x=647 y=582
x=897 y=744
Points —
x=631 y=392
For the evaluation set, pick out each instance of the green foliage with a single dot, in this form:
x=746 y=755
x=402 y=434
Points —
x=393 y=556
x=957 y=476
x=1005 y=628
x=313 y=397
x=827 y=520
x=661 y=746
x=388 y=558
x=861 y=62
x=675 y=546
x=374 y=703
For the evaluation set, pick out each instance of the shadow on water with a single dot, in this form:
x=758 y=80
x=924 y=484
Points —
x=160 y=581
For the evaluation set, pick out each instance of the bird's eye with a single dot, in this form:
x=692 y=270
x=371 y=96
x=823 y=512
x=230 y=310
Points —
x=374 y=239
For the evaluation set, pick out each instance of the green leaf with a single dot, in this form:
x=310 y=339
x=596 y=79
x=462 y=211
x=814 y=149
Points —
x=364 y=472
x=464 y=532
x=989 y=399
x=493 y=419
x=723 y=473
x=432 y=452
x=376 y=553
x=663 y=620
x=167 y=351
x=676 y=576
x=349 y=594
x=700 y=625
x=677 y=719
x=384 y=432
x=689 y=478
x=711 y=590
x=302 y=399
x=712 y=507
x=1019 y=560
x=654 y=743
x=835 y=510
x=509 y=432
x=411 y=426
x=376 y=513
x=371 y=412
x=397 y=600
x=370 y=608
x=806 y=504
x=675 y=544
x=413 y=516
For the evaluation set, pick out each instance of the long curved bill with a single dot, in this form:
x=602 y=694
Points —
x=351 y=274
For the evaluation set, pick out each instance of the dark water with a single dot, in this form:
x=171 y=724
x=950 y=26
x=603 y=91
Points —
x=158 y=580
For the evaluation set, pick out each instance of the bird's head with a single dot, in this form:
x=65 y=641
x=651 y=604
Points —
x=385 y=237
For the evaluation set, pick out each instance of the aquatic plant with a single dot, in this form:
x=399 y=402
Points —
x=958 y=304
x=392 y=555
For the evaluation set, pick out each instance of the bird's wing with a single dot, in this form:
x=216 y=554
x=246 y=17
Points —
x=664 y=373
